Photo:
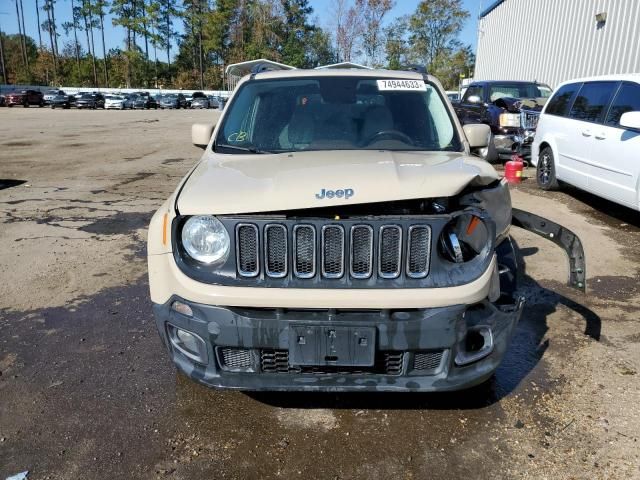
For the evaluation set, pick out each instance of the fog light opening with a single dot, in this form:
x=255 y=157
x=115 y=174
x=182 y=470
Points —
x=477 y=344
x=182 y=308
x=187 y=343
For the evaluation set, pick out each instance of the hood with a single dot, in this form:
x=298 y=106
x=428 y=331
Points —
x=516 y=104
x=236 y=184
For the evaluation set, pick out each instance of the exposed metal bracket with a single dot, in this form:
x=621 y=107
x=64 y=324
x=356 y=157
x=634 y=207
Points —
x=561 y=236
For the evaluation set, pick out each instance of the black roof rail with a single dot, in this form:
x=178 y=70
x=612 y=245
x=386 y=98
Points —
x=414 y=68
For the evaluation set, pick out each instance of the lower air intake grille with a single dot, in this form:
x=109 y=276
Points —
x=427 y=360
x=236 y=359
x=277 y=361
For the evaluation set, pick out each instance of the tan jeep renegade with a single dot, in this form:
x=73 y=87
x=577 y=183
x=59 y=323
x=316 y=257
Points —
x=338 y=235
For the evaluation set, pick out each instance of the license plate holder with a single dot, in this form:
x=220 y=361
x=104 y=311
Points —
x=344 y=346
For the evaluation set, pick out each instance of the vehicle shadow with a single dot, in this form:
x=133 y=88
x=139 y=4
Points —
x=8 y=183
x=527 y=348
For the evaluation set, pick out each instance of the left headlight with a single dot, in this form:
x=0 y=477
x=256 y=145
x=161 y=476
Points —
x=510 y=120
x=205 y=239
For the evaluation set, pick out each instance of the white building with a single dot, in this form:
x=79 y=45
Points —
x=555 y=40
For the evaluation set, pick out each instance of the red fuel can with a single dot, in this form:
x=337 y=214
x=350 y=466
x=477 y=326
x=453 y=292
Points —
x=513 y=169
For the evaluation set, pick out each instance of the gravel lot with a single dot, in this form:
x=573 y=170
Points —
x=87 y=392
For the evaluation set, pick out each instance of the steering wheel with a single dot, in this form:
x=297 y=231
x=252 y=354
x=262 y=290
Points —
x=403 y=137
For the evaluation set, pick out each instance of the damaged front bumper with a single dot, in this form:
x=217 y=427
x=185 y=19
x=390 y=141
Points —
x=444 y=347
x=433 y=349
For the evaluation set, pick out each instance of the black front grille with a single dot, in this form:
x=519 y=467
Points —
x=332 y=251
x=277 y=361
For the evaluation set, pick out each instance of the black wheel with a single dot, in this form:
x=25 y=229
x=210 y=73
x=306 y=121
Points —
x=546 y=170
x=26 y=104
x=41 y=104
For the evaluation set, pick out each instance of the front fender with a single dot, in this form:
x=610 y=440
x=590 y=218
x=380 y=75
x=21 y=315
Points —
x=561 y=236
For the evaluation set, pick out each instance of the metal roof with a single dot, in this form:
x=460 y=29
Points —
x=491 y=8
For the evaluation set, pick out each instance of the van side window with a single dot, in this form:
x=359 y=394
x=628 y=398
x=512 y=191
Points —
x=627 y=100
x=592 y=101
x=561 y=101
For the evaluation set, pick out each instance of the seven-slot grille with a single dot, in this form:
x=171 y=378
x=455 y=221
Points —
x=331 y=251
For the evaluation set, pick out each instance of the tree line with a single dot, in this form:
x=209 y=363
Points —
x=156 y=53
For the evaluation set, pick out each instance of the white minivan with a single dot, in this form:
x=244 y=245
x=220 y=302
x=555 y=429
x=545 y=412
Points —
x=588 y=136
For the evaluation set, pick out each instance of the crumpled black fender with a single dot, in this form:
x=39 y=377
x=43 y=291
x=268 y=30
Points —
x=561 y=236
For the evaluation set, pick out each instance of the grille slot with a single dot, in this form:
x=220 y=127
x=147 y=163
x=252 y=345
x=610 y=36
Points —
x=427 y=360
x=275 y=237
x=332 y=251
x=361 y=251
x=419 y=250
x=304 y=251
x=390 y=251
x=236 y=359
x=247 y=249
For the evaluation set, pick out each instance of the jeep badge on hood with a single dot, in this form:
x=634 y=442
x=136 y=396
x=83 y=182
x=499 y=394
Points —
x=341 y=193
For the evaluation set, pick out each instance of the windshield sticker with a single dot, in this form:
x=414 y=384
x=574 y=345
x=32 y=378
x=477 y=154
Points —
x=237 y=137
x=405 y=85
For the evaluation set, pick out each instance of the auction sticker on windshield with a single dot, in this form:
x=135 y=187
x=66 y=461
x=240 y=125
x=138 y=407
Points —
x=402 y=85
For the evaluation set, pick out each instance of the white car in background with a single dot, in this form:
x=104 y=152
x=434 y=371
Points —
x=113 y=102
x=588 y=136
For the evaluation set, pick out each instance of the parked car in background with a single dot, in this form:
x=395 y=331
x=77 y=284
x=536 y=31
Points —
x=62 y=101
x=199 y=100
x=50 y=94
x=128 y=101
x=2 y=101
x=213 y=101
x=173 y=100
x=25 y=98
x=90 y=100
x=510 y=108
x=140 y=101
x=589 y=136
x=453 y=95
x=114 y=102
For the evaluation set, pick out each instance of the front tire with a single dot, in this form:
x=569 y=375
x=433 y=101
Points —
x=546 y=170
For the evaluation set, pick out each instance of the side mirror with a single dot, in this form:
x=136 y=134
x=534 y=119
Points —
x=474 y=99
x=477 y=134
x=630 y=120
x=201 y=134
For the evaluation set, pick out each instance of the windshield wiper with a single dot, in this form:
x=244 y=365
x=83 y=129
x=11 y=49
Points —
x=241 y=149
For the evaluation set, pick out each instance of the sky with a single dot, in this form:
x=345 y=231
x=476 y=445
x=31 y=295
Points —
x=115 y=35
